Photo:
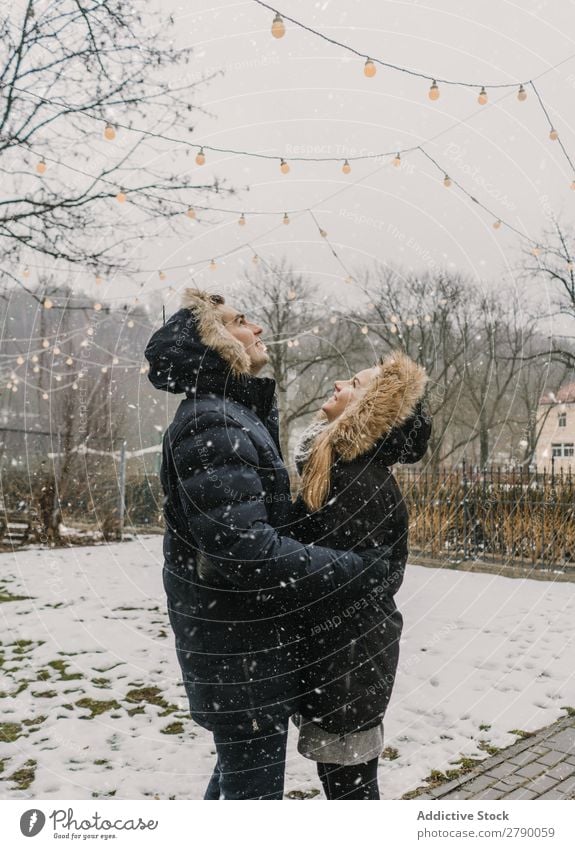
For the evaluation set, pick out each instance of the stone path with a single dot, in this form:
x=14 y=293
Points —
x=538 y=767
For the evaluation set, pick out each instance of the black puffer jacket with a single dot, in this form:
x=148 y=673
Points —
x=352 y=647
x=235 y=586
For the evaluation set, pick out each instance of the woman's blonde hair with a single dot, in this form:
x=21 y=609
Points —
x=316 y=475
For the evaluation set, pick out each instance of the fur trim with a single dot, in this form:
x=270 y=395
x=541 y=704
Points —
x=388 y=403
x=214 y=334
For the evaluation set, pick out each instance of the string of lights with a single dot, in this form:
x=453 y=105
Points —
x=278 y=30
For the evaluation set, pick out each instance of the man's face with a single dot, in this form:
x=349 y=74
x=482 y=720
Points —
x=248 y=333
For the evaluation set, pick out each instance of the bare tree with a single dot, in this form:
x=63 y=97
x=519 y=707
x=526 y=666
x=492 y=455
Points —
x=71 y=71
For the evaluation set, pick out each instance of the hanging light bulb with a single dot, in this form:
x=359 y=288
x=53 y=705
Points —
x=553 y=134
x=433 y=92
x=74 y=386
x=521 y=94
x=482 y=99
x=278 y=26
x=348 y=279
x=365 y=329
x=397 y=160
x=34 y=358
x=200 y=157
x=323 y=234
x=573 y=185
x=286 y=218
x=369 y=68
x=497 y=224
x=316 y=329
x=292 y=294
x=109 y=132
x=536 y=251
x=290 y=343
x=346 y=167
x=213 y=264
x=161 y=275
x=333 y=319
x=191 y=213
x=56 y=350
x=26 y=272
x=446 y=181
x=115 y=361
x=242 y=220
x=36 y=369
x=284 y=167
x=58 y=377
x=98 y=279
x=20 y=361
x=121 y=197
x=255 y=259
x=45 y=396
x=130 y=323
x=47 y=304
x=97 y=307
x=104 y=369
x=69 y=361
x=41 y=167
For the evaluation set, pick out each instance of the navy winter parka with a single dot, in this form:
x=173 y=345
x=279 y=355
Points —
x=236 y=582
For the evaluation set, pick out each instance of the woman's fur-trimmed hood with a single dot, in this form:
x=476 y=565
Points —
x=392 y=399
x=387 y=404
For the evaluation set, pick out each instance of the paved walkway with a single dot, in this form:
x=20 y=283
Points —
x=538 y=767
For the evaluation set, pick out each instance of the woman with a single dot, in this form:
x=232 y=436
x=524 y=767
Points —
x=350 y=499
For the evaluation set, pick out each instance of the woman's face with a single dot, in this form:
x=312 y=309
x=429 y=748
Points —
x=347 y=392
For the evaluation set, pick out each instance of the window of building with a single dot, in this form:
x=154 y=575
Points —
x=563 y=449
x=562 y=419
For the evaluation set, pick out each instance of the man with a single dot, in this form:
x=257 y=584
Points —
x=234 y=583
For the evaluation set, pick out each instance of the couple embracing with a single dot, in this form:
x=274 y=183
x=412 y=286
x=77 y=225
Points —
x=283 y=608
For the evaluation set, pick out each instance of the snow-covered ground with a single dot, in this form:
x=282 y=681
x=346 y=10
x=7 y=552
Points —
x=481 y=656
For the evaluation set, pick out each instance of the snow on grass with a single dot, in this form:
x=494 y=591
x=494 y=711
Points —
x=93 y=705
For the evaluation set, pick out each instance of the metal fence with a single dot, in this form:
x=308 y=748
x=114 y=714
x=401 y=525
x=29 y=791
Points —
x=517 y=516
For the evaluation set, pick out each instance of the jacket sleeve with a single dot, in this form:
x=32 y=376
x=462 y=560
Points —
x=408 y=442
x=223 y=502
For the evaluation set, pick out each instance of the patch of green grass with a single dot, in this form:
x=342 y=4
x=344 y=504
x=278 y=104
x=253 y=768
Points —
x=520 y=733
x=136 y=710
x=10 y=731
x=152 y=695
x=60 y=666
x=488 y=747
x=570 y=710
x=24 y=776
x=97 y=795
x=173 y=728
x=96 y=707
x=23 y=646
x=107 y=668
x=37 y=720
x=6 y=596
x=389 y=754
x=483 y=726
x=43 y=675
x=102 y=683
x=303 y=794
x=3 y=762
x=101 y=761
x=44 y=694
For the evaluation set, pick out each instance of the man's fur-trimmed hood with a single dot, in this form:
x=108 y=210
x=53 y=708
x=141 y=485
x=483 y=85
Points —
x=213 y=332
x=194 y=351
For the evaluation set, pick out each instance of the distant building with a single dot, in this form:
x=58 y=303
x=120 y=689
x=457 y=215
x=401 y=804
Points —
x=557 y=438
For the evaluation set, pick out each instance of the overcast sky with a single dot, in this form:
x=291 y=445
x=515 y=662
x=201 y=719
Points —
x=301 y=94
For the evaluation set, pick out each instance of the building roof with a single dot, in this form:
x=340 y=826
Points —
x=564 y=395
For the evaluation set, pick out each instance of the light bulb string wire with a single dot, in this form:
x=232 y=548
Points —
x=278 y=157
x=341 y=189
x=392 y=66
x=552 y=127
